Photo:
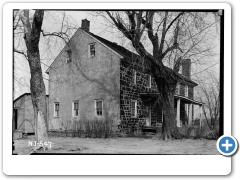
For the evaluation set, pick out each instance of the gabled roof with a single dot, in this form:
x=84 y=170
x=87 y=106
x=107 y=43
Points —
x=126 y=54
x=114 y=46
x=25 y=94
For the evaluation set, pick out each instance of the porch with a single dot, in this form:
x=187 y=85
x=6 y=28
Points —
x=187 y=110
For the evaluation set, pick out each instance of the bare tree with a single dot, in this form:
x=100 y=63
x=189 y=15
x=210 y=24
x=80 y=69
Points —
x=27 y=26
x=52 y=40
x=38 y=93
x=210 y=97
x=174 y=36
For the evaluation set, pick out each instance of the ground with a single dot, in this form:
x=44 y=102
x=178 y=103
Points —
x=121 y=145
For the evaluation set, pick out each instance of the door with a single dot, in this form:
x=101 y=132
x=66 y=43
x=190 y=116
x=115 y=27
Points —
x=148 y=115
x=15 y=117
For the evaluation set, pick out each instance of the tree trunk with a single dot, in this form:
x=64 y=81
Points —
x=37 y=86
x=38 y=94
x=167 y=91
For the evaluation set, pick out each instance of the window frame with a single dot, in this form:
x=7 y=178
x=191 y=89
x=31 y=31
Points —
x=178 y=87
x=134 y=78
x=73 y=110
x=89 y=50
x=135 y=108
x=69 y=55
x=149 y=81
x=95 y=104
x=186 y=90
x=180 y=69
x=56 y=112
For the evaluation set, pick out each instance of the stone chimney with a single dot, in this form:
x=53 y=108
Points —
x=186 y=68
x=85 y=25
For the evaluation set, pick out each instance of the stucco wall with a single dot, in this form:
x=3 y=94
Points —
x=84 y=79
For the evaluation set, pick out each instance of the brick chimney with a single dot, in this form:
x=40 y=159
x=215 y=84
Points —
x=85 y=25
x=186 y=68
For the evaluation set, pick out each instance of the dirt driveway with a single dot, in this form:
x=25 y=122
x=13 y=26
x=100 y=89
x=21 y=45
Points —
x=123 y=145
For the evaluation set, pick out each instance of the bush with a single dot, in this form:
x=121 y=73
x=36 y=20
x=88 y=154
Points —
x=98 y=128
x=91 y=128
x=77 y=128
x=193 y=131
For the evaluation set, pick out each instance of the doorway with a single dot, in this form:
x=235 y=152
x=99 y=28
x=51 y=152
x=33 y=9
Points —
x=15 y=117
x=148 y=115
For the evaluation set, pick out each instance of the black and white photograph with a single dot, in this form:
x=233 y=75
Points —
x=117 y=81
x=121 y=88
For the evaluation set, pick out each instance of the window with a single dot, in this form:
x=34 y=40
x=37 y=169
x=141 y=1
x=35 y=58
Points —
x=56 y=109
x=134 y=77
x=186 y=90
x=149 y=81
x=75 y=108
x=180 y=69
x=69 y=55
x=177 y=89
x=134 y=108
x=91 y=50
x=99 y=107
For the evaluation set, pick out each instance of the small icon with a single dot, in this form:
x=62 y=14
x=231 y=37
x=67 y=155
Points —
x=227 y=145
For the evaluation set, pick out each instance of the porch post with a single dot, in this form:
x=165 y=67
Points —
x=200 y=115
x=178 y=113
x=190 y=115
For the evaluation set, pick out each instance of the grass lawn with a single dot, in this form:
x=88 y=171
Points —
x=122 y=145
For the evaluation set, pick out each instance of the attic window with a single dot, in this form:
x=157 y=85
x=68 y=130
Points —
x=92 y=50
x=69 y=55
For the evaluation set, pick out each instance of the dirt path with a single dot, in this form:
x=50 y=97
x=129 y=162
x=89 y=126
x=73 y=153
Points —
x=128 y=145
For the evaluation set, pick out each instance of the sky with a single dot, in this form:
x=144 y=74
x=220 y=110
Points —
x=50 y=48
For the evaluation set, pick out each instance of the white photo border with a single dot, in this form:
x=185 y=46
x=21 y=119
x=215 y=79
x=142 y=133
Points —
x=110 y=164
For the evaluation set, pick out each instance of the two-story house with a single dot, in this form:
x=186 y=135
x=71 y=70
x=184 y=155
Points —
x=93 y=78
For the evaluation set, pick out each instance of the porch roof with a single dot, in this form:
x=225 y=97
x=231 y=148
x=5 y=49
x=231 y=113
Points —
x=151 y=95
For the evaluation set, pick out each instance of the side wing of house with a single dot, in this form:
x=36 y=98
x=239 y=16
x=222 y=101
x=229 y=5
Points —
x=84 y=82
x=29 y=115
x=19 y=113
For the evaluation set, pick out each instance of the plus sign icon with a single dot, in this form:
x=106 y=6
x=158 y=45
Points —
x=227 y=145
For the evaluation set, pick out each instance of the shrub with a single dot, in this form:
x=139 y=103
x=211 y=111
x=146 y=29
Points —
x=76 y=128
x=66 y=125
x=92 y=128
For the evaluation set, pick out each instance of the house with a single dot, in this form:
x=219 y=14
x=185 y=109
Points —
x=23 y=113
x=93 y=78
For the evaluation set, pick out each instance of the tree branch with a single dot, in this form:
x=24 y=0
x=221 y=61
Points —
x=36 y=27
x=20 y=52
